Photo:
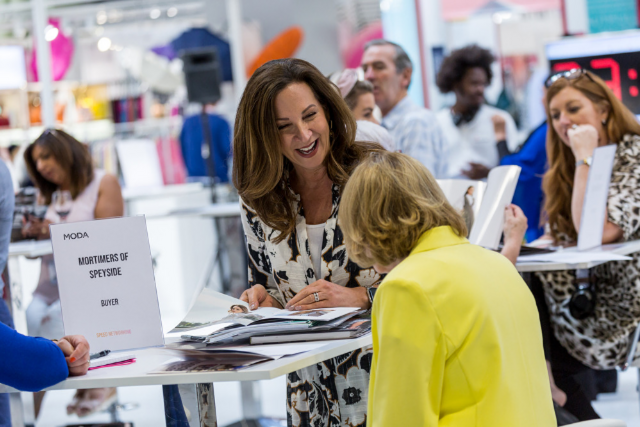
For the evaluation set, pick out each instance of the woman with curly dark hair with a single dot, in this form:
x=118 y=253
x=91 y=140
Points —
x=478 y=134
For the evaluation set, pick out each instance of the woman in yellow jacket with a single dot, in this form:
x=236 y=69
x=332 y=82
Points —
x=456 y=333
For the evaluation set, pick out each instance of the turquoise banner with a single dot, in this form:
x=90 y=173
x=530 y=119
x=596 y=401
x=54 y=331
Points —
x=400 y=25
x=612 y=15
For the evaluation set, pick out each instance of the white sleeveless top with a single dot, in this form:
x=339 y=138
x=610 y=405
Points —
x=84 y=206
x=82 y=209
x=315 y=233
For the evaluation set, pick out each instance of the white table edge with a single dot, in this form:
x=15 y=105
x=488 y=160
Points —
x=626 y=248
x=214 y=210
x=531 y=267
x=262 y=371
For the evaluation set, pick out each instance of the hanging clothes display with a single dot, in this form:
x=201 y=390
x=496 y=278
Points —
x=195 y=152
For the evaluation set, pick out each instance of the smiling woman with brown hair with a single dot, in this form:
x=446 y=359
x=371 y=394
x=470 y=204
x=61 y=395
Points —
x=294 y=149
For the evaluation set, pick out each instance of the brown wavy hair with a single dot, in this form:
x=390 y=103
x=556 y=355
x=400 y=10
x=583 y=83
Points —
x=558 y=180
x=260 y=170
x=72 y=155
x=389 y=202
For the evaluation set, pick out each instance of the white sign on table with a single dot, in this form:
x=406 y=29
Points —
x=594 y=206
x=107 y=287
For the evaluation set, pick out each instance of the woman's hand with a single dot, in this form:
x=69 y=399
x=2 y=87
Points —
x=558 y=396
x=499 y=127
x=583 y=140
x=76 y=353
x=476 y=171
x=257 y=296
x=35 y=228
x=330 y=295
x=515 y=226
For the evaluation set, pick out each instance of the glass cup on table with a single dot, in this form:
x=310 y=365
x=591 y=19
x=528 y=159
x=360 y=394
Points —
x=62 y=203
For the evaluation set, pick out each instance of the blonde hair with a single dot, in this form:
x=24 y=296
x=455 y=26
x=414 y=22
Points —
x=390 y=200
x=558 y=181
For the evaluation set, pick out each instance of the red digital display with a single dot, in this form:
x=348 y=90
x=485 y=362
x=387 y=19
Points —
x=619 y=71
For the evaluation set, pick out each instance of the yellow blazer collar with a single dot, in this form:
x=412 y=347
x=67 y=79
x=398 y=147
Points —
x=437 y=237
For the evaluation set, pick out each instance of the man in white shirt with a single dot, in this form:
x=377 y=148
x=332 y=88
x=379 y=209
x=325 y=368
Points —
x=478 y=135
x=414 y=129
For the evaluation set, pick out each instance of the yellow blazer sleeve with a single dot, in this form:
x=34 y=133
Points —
x=409 y=358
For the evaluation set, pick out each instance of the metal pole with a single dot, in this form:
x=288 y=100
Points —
x=189 y=405
x=422 y=42
x=239 y=68
x=43 y=52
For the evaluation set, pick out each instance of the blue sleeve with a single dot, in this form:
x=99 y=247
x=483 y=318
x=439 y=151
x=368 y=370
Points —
x=30 y=364
x=533 y=153
x=183 y=139
x=7 y=202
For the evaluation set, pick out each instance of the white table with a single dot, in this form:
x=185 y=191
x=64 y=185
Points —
x=626 y=248
x=30 y=248
x=200 y=383
x=214 y=210
x=160 y=191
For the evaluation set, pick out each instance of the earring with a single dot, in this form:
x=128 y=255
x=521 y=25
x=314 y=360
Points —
x=604 y=122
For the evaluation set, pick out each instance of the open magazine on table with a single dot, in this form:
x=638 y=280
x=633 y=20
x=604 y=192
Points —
x=215 y=333
x=482 y=204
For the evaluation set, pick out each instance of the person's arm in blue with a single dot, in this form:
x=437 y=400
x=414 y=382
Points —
x=30 y=364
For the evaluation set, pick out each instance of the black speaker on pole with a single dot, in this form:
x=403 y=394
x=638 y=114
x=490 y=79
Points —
x=202 y=74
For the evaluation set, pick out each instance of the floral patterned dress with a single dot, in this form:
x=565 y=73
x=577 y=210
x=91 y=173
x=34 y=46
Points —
x=601 y=341
x=334 y=392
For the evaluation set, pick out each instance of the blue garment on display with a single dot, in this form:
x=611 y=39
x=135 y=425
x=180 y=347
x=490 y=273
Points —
x=532 y=158
x=201 y=37
x=28 y=363
x=191 y=139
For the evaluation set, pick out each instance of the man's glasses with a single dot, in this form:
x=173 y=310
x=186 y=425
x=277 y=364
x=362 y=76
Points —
x=569 y=75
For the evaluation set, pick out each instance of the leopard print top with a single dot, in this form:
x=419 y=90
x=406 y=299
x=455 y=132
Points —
x=602 y=340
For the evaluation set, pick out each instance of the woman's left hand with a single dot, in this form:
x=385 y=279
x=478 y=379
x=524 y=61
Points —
x=329 y=295
x=76 y=352
x=515 y=225
x=583 y=140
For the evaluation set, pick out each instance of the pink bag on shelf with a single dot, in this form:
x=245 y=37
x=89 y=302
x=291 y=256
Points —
x=171 y=162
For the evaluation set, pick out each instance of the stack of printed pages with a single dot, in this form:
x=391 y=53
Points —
x=216 y=333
